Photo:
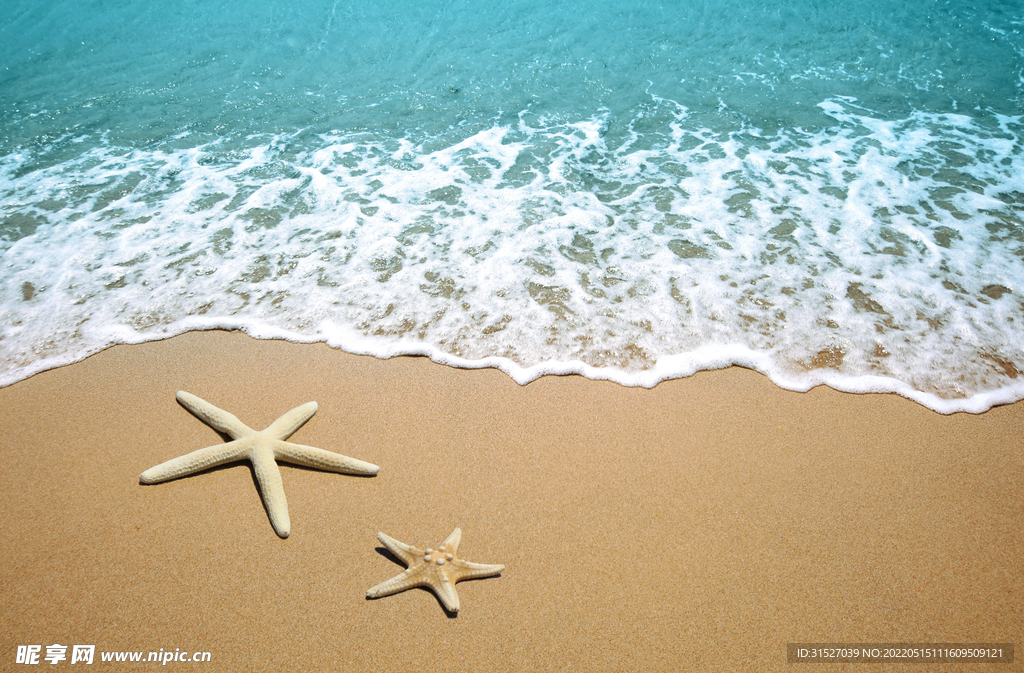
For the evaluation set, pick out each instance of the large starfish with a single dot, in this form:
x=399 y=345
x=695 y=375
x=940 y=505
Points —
x=439 y=569
x=261 y=448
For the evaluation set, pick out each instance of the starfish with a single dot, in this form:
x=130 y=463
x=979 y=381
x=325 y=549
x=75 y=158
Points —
x=439 y=569
x=260 y=448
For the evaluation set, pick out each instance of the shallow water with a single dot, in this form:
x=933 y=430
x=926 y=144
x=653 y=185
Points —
x=628 y=193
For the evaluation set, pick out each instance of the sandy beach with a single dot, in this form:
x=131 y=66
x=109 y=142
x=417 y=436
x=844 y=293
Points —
x=698 y=526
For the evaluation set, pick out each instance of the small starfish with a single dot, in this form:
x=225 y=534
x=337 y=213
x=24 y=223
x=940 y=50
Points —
x=260 y=448
x=439 y=569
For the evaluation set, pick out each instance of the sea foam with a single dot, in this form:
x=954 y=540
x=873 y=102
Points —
x=868 y=255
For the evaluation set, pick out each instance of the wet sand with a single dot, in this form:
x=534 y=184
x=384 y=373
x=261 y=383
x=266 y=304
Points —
x=697 y=526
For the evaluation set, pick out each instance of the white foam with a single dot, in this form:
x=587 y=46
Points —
x=871 y=256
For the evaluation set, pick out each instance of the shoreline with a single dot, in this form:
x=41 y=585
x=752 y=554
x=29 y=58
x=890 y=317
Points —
x=698 y=525
x=670 y=368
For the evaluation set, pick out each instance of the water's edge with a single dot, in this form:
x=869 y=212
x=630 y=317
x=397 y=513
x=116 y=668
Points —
x=667 y=369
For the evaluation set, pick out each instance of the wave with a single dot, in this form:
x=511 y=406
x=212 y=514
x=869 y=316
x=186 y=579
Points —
x=869 y=254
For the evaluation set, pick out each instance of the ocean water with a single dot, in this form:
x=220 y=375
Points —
x=830 y=193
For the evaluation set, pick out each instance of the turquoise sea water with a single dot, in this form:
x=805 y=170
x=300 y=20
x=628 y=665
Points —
x=826 y=192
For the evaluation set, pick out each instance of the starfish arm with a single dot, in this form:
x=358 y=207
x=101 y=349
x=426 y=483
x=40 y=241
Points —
x=285 y=427
x=395 y=585
x=451 y=543
x=272 y=488
x=218 y=419
x=446 y=592
x=322 y=460
x=464 y=570
x=407 y=553
x=197 y=461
